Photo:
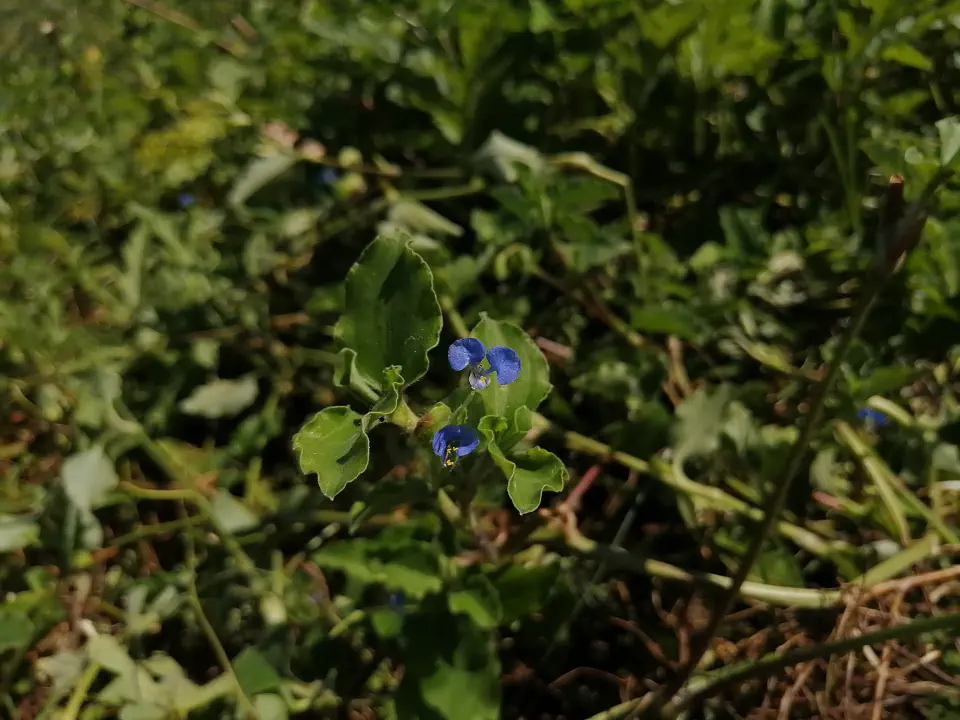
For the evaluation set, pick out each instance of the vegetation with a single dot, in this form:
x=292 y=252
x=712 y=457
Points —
x=250 y=468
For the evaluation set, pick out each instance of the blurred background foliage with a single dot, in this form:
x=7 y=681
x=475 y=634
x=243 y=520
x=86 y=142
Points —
x=674 y=199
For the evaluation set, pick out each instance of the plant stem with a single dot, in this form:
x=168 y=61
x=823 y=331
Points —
x=80 y=690
x=206 y=510
x=616 y=557
x=457 y=323
x=900 y=232
x=778 y=497
x=218 y=650
x=713 y=496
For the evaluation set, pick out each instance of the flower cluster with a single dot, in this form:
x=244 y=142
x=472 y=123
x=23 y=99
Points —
x=454 y=441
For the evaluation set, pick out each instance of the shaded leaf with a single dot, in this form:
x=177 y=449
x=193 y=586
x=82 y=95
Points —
x=452 y=670
x=254 y=673
x=479 y=601
x=16 y=630
x=949 y=131
x=699 y=423
x=777 y=566
x=412 y=567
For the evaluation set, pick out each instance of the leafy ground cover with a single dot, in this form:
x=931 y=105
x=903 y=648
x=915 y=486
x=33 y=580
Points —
x=239 y=240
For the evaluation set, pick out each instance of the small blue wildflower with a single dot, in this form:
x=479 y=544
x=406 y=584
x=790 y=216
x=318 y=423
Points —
x=873 y=417
x=395 y=600
x=471 y=352
x=185 y=200
x=453 y=441
x=327 y=176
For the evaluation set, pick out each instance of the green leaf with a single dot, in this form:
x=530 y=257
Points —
x=232 y=514
x=259 y=172
x=389 y=401
x=527 y=391
x=524 y=590
x=411 y=567
x=414 y=216
x=907 y=55
x=270 y=706
x=333 y=445
x=88 y=478
x=16 y=631
x=884 y=380
x=221 y=398
x=346 y=375
x=699 y=423
x=504 y=154
x=392 y=316
x=529 y=473
x=676 y=320
x=254 y=673
x=778 y=567
x=17 y=533
x=107 y=651
x=452 y=669
x=479 y=601
x=949 y=130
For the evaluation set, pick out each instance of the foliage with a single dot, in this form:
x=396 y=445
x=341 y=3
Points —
x=238 y=238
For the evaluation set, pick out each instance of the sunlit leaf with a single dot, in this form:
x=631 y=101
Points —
x=529 y=473
x=334 y=446
x=221 y=398
x=392 y=316
x=258 y=173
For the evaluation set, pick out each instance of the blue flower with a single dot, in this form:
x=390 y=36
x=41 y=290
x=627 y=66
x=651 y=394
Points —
x=874 y=417
x=395 y=600
x=327 y=176
x=453 y=441
x=185 y=200
x=471 y=352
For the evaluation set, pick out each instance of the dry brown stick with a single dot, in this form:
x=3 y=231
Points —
x=914 y=581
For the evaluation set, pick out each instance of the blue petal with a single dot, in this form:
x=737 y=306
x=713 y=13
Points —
x=506 y=362
x=874 y=416
x=463 y=436
x=395 y=600
x=467 y=439
x=440 y=439
x=467 y=351
x=185 y=200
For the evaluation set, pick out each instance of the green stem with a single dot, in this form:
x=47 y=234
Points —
x=206 y=510
x=457 y=323
x=713 y=496
x=218 y=650
x=145 y=531
x=618 y=558
x=80 y=690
